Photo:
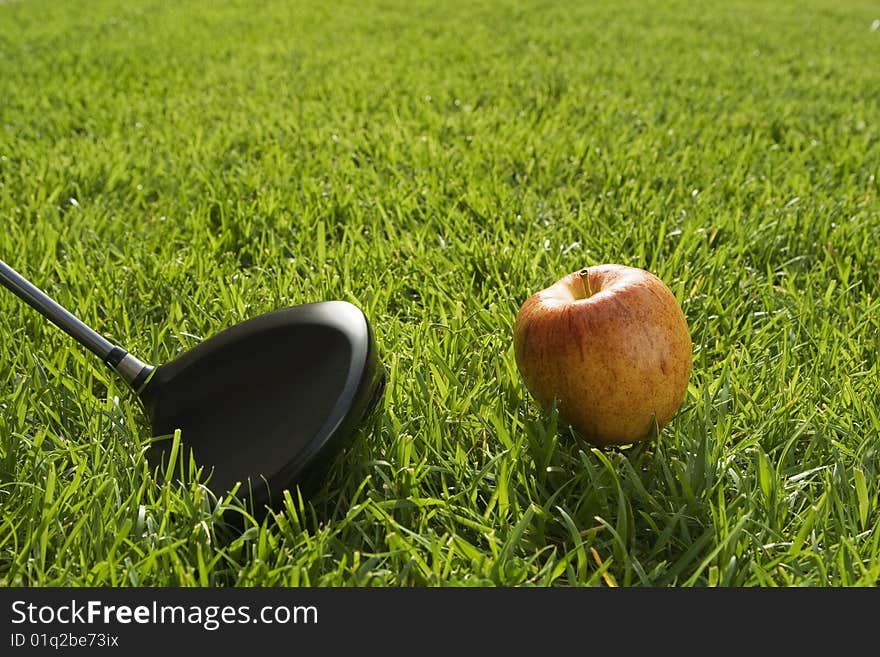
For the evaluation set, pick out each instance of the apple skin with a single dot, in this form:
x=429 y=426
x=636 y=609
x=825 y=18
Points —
x=611 y=344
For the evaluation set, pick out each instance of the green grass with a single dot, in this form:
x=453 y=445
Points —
x=170 y=169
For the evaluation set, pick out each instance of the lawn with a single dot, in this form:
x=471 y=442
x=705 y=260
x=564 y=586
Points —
x=170 y=169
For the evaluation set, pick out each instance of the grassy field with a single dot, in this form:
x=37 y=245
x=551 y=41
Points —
x=170 y=169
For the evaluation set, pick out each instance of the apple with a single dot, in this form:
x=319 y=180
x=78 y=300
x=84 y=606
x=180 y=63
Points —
x=610 y=346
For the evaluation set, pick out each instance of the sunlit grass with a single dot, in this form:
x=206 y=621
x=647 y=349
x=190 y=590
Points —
x=170 y=169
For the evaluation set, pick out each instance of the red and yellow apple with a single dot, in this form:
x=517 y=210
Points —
x=610 y=346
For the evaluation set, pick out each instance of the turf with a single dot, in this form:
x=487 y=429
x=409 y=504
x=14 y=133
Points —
x=170 y=169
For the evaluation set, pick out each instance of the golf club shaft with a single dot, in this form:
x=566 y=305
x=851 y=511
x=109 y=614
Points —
x=134 y=372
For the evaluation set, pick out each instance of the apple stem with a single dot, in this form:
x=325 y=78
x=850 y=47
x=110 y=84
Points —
x=585 y=278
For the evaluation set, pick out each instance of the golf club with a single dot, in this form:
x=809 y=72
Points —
x=268 y=402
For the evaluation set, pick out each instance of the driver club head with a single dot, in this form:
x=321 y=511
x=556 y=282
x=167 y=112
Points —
x=268 y=403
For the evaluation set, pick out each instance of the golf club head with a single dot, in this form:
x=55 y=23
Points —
x=271 y=401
